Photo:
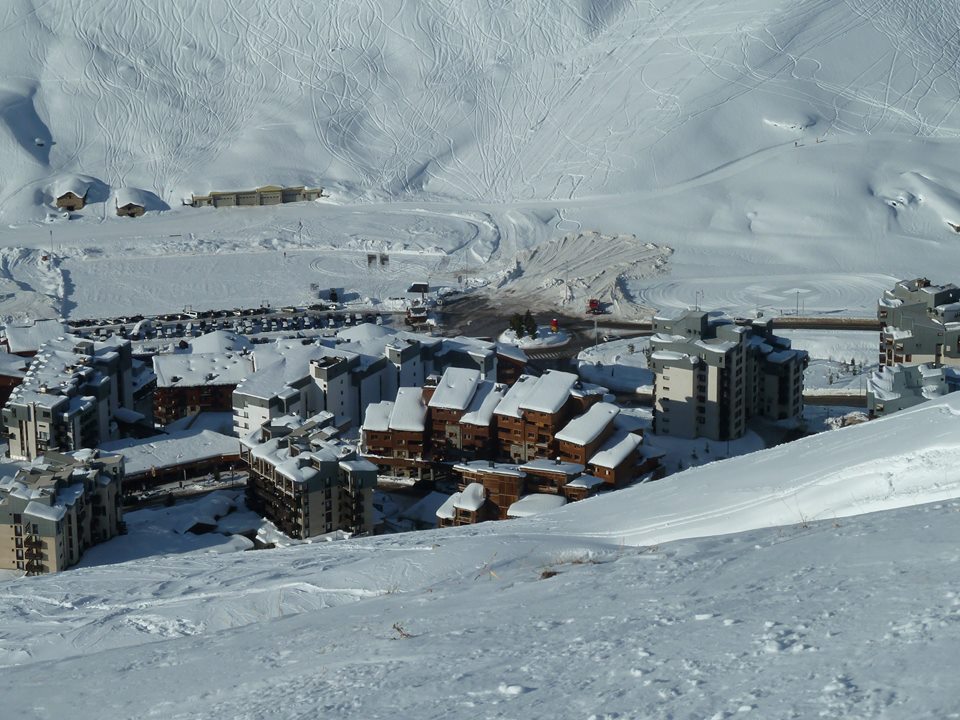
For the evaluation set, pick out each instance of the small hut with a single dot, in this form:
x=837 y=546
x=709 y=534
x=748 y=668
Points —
x=71 y=193
x=129 y=202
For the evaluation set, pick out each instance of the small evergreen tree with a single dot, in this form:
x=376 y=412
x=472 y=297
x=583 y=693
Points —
x=530 y=324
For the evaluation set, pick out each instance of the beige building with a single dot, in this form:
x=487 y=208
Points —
x=266 y=195
x=711 y=376
x=52 y=511
x=71 y=398
x=921 y=324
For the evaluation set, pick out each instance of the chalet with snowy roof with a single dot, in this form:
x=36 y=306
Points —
x=395 y=436
x=582 y=437
x=620 y=460
x=920 y=324
x=504 y=483
x=478 y=430
x=306 y=481
x=534 y=409
x=711 y=375
x=71 y=193
x=201 y=377
x=130 y=202
x=13 y=369
x=461 y=406
x=467 y=507
x=52 y=511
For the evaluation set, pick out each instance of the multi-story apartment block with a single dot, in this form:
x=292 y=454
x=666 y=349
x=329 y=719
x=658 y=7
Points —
x=921 y=324
x=478 y=428
x=897 y=387
x=395 y=436
x=534 y=409
x=712 y=375
x=51 y=512
x=305 y=481
x=461 y=405
x=580 y=438
x=71 y=397
x=361 y=365
x=200 y=374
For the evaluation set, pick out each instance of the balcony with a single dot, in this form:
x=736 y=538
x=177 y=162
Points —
x=33 y=541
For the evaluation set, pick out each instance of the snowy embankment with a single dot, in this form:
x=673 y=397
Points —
x=833 y=618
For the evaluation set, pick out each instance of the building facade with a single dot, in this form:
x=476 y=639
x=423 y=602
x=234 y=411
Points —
x=921 y=324
x=71 y=397
x=711 y=376
x=51 y=512
x=306 y=482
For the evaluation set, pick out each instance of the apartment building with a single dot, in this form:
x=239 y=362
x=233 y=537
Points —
x=466 y=507
x=395 y=436
x=52 y=511
x=361 y=365
x=921 y=324
x=307 y=482
x=200 y=377
x=580 y=438
x=503 y=483
x=712 y=375
x=533 y=410
x=74 y=395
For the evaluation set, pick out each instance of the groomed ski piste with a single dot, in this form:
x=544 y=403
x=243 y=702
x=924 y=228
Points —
x=747 y=155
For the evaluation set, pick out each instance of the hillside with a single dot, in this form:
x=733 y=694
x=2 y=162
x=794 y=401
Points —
x=586 y=612
x=751 y=149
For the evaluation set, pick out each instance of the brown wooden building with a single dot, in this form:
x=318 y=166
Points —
x=582 y=437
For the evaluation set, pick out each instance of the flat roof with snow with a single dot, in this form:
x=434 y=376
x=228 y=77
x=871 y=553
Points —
x=535 y=504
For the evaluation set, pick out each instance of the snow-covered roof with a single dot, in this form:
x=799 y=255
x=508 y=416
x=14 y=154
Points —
x=554 y=466
x=409 y=414
x=510 y=404
x=455 y=389
x=673 y=356
x=140 y=455
x=535 y=504
x=586 y=428
x=550 y=393
x=425 y=509
x=219 y=341
x=358 y=465
x=471 y=498
x=485 y=401
x=377 y=417
x=29 y=338
x=76 y=184
x=130 y=196
x=448 y=510
x=45 y=512
x=514 y=352
x=199 y=369
x=490 y=467
x=586 y=482
x=615 y=450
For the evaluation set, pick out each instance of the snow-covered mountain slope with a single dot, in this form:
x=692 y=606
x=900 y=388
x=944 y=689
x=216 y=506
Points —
x=587 y=612
x=775 y=146
x=476 y=100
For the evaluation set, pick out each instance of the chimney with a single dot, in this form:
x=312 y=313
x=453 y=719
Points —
x=558 y=459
